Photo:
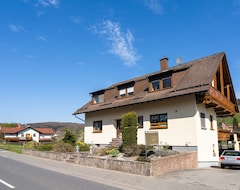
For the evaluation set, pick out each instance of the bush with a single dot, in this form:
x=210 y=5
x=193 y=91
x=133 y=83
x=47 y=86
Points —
x=63 y=147
x=113 y=152
x=69 y=137
x=143 y=159
x=45 y=147
x=129 y=131
x=83 y=146
x=31 y=145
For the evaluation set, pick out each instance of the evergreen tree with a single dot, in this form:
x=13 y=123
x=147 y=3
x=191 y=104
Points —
x=69 y=137
x=129 y=130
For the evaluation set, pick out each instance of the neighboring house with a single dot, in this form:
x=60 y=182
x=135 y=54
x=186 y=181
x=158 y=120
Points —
x=180 y=104
x=27 y=134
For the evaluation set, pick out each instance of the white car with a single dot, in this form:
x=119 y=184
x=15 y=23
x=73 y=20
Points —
x=229 y=158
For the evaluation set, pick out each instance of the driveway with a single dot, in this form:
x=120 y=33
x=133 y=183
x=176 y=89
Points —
x=210 y=177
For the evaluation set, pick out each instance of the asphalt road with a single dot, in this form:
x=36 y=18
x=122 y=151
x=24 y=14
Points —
x=21 y=176
x=43 y=174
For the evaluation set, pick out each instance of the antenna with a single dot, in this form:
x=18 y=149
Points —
x=179 y=61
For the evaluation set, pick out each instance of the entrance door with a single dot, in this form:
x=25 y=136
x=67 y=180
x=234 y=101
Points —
x=118 y=128
x=28 y=136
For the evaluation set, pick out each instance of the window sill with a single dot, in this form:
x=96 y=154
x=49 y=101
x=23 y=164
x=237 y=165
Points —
x=97 y=131
x=152 y=128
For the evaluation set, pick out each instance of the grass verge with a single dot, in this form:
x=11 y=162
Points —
x=12 y=147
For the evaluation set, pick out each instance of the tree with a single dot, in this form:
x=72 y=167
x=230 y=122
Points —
x=69 y=137
x=129 y=132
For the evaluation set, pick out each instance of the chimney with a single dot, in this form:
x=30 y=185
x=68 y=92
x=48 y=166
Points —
x=164 y=64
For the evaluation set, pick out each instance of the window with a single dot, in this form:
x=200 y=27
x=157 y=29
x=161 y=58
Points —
x=202 y=116
x=160 y=84
x=155 y=85
x=166 y=82
x=211 y=122
x=97 y=126
x=125 y=92
x=98 y=98
x=140 y=121
x=158 y=121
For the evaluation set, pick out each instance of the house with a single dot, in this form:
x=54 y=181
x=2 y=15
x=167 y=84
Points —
x=180 y=104
x=27 y=134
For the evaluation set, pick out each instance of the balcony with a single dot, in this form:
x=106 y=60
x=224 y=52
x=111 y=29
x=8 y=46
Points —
x=222 y=106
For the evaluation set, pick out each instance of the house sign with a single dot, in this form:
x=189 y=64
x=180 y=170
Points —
x=151 y=138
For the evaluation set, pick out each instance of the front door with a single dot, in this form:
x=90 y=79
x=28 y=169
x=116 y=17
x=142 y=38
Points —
x=28 y=136
x=118 y=128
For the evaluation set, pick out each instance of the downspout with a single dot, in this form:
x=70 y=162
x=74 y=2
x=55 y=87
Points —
x=79 y=118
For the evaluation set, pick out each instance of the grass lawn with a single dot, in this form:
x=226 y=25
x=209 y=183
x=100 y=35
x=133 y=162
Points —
x=12 y=147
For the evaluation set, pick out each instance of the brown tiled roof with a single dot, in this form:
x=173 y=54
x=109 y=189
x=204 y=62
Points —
x=198 y=77
x=45 y=130
x=16 y=130
x=10 y=130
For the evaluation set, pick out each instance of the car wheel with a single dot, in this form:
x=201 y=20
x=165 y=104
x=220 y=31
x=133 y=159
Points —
x=222 y=166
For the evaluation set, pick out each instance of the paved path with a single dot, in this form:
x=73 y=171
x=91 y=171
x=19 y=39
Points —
x=201 y=179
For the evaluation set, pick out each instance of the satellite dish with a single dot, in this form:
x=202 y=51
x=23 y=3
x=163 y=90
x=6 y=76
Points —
x=179 y=61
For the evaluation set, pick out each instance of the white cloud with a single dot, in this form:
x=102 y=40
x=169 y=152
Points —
x=76 y=19
x=15 y=28
x=121 y=44
x=47 y=3
x=42 y=38
x=154 y=6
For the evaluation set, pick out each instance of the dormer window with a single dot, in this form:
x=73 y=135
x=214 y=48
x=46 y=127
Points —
x=126 y=90
x=98 y=97
x=166 y=82
x=159 y=82
x=155 y=85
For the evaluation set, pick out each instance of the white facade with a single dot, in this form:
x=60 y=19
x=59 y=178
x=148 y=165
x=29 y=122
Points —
x=29 y=132
x=184 y=130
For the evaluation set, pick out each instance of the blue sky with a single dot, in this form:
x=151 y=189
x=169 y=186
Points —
x=53 y=53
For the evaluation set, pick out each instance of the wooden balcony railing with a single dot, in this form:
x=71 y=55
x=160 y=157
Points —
x=221 y=104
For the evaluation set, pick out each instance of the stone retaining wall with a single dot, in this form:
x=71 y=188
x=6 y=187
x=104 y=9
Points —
x=161 y=165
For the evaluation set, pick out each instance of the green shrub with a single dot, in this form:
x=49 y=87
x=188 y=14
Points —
x=45 y=147
x=129 y=130
x=143 y=159
x=63 y=147
x=83 y=146
x=31 y=145
x=69 y=137
x=113 y=152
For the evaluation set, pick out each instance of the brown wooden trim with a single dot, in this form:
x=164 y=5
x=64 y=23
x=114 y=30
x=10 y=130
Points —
x=221 y=77
x=223 y=106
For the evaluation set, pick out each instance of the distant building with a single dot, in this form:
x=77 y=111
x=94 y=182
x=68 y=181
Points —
x=27 y=134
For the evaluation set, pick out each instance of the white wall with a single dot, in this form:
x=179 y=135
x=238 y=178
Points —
x=184 y=125
x=180 y=122
x=207 y=139
x=34 y=134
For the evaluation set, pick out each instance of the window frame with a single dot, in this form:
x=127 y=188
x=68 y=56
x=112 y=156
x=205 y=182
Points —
x=152 y=85
x=97 y=98
x=211 y=122
x=97 y=126
x=165 y=79
x=126 y=92
x=203 y=120
x=159 y=124
x=140 y=121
